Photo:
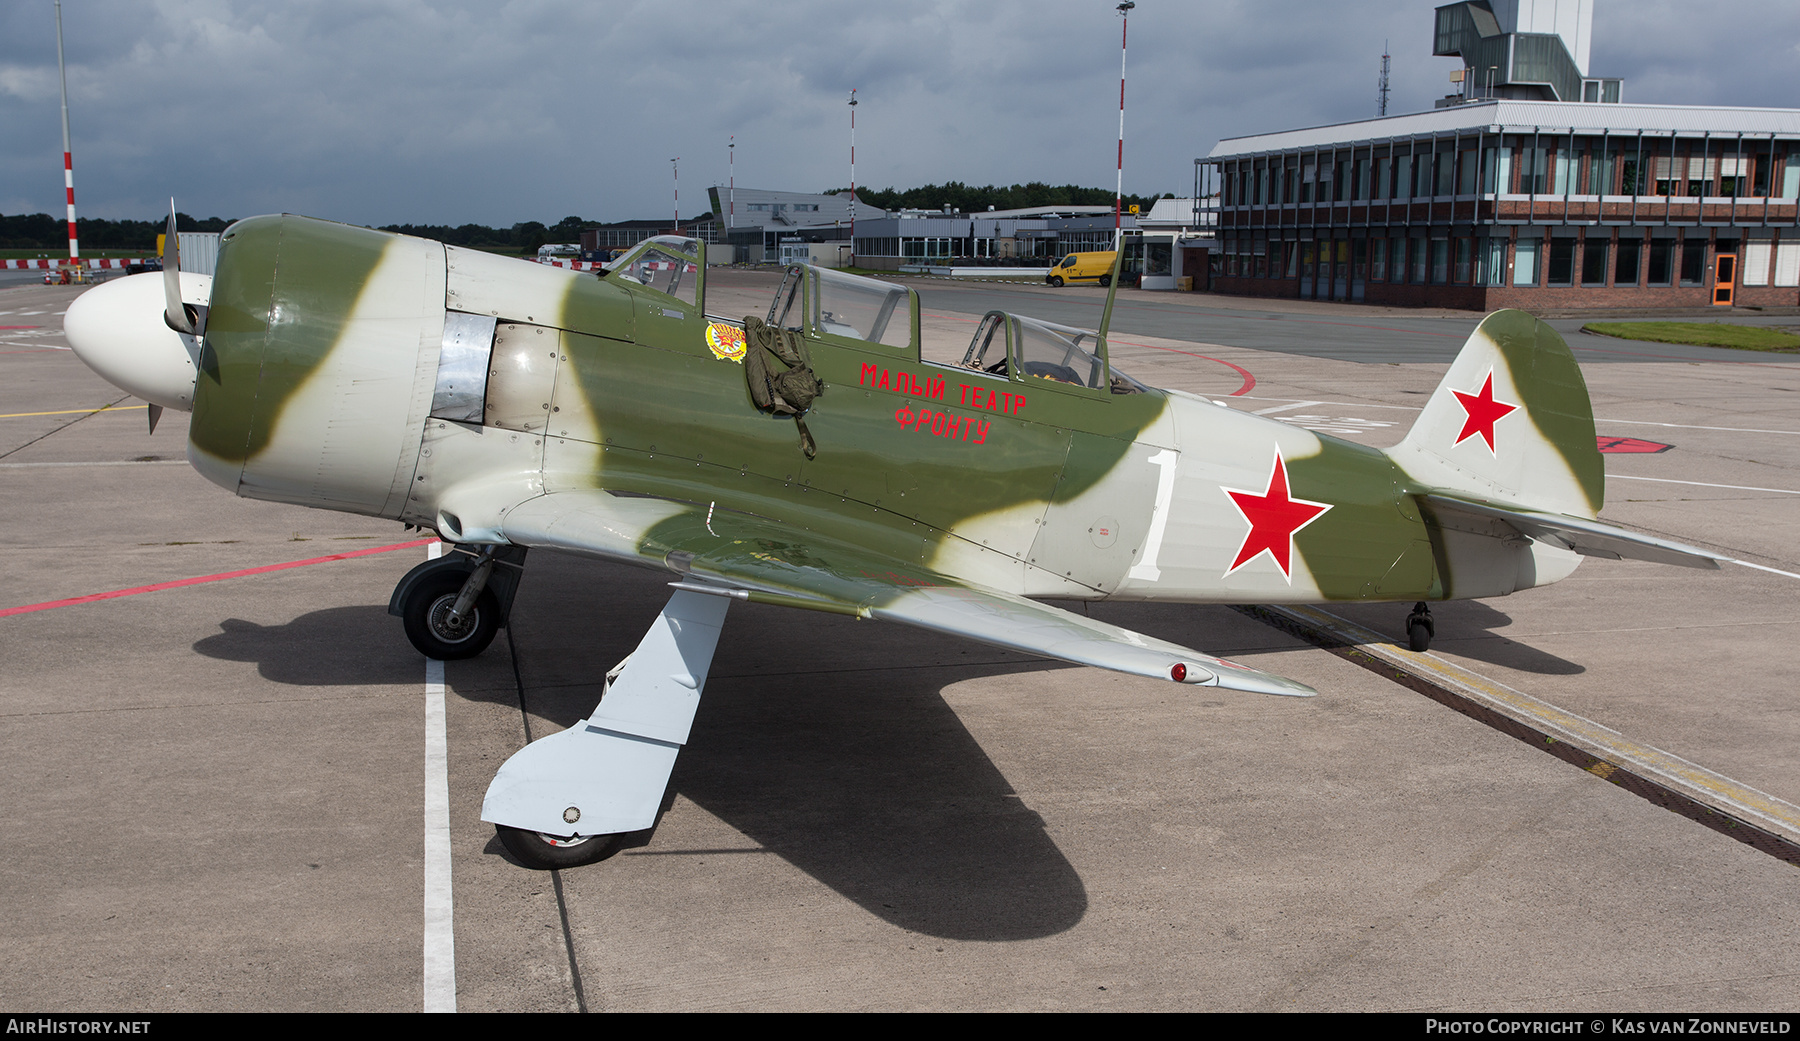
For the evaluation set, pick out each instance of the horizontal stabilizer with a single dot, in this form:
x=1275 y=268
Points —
x=1590 y=538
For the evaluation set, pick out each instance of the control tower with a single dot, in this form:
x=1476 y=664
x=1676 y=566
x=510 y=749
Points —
x=1528 y=50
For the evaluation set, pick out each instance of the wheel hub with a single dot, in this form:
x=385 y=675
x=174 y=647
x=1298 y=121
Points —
x=446 y=629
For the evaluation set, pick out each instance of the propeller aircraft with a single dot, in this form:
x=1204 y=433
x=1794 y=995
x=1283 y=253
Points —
x=812 y=458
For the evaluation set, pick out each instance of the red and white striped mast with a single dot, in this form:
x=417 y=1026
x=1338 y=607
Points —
x=68 y=164
x=852 y=176
x=1119 y=189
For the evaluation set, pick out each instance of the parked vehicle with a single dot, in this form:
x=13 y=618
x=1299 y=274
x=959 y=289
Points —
x=1083 y=267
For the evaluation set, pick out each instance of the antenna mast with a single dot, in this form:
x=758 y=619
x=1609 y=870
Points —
x=1382 y=92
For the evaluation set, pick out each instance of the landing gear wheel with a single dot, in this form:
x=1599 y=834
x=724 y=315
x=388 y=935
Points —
x=1105 y=280
x=426 y=614
x=1419 y=628
x=544 y=852
x=1056 y=280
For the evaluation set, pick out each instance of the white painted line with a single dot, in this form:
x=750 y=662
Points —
x=1760 y=567
x=1701 y=484
x=440 y=926
x=1690 y=426
x=1284 y=408
x=1337 y=404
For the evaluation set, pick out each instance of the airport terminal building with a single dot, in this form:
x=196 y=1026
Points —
x=1534 y=185
x=1519 y=203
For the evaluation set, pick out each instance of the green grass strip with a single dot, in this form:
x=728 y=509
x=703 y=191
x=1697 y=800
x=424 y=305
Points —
x=1702 y=334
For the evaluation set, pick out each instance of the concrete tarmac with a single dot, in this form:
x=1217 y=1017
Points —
x=215 y=791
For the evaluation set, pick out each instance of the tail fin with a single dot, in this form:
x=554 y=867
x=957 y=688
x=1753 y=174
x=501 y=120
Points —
x=1510 y=424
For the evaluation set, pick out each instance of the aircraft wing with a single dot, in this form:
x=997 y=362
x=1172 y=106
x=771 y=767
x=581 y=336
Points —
x=1590 y=538
x=746 y=557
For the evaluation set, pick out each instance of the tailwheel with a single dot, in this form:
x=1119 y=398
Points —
x=544 y=852
x=1419 y=628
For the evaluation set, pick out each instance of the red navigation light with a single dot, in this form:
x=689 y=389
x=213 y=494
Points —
x=1178 y=672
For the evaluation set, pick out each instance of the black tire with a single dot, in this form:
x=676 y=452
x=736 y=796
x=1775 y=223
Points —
x=1055 y=280
x=549 y=852
x=1418 y=637
x=425 y=610
x=1105 y=280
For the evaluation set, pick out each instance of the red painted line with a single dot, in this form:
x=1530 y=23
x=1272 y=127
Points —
x=1249 y=380
x=222 y=576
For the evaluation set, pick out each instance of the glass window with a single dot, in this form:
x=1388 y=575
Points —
x=1626 y=260
x=1402 y=178
x=1630 y=174
x=1465 y=250
x=1493 y=261
x=1787 y=264
x=861 y=308
x=1440 y=261
x=1560 y=268
x=1525 y=262
x=1600 y=171
x=1378 y=261
x=1693 y=262
x=666 y=263
x=1593 y=262
x=1420 y=261
x=1467 y=169
x=1756 y=263
x=1662 y=261
x=1532 y=165
x=1790 y=175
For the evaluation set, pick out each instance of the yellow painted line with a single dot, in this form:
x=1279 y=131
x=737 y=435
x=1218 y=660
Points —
x=1693 y=780
x=72 y=411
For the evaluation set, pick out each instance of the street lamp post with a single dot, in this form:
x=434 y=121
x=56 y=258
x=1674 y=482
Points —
x=731 y=217
x=1119 y=189
x=675 y=168
x=852 y=176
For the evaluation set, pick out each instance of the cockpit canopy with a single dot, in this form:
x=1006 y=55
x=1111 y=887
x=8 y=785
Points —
x=666 y=263
x=844 y=305
x=1005 y=343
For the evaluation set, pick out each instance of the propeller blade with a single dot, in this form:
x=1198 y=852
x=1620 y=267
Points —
x=173 y=312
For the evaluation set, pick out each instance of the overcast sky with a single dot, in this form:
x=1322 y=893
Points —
x=446 y=111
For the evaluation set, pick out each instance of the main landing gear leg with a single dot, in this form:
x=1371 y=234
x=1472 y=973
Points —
x=568 y=798
x=1419 y=628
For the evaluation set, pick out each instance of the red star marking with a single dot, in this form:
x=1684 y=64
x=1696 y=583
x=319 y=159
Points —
x=1274 y=516
x=1482 y=411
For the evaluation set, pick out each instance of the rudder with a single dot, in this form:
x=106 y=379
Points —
x=1511 y=423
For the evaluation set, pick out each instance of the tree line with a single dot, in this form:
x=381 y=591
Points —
x=42 y=231
x=966 y=198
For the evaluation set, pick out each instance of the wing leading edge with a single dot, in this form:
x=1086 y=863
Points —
x=753 y=558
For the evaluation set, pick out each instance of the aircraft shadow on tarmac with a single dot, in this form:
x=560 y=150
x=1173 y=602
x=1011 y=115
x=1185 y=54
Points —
x=1465 y=628
x=826 y=741
x=328 y=647
x=829 y=743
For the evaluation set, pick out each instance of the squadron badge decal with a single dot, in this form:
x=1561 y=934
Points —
x=726 y=342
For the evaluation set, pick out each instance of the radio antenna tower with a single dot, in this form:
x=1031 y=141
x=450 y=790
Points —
x=1382 y=92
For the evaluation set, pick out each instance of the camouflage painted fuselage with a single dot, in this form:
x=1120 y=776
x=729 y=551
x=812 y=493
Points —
x=322 y=354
